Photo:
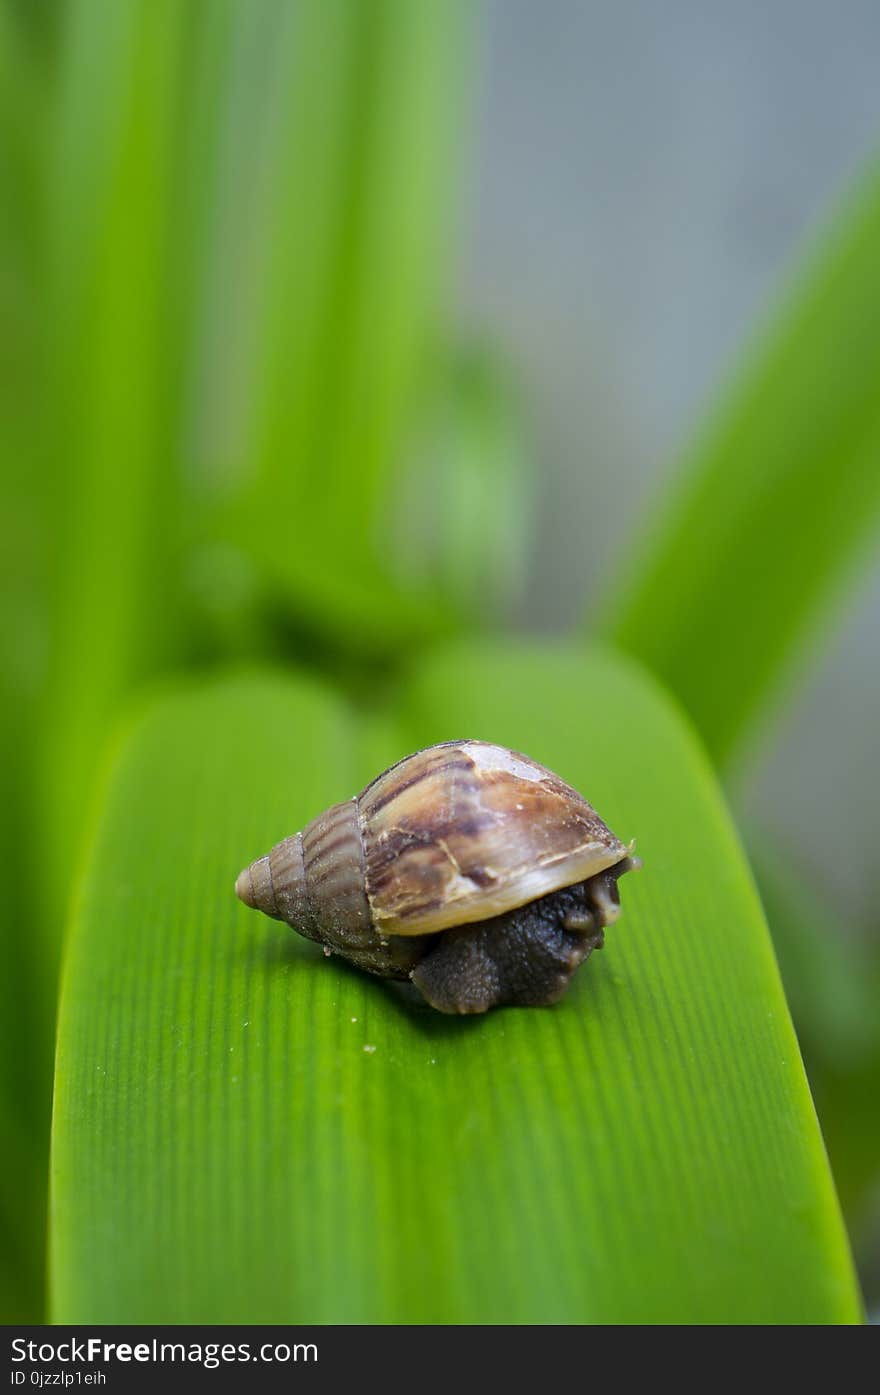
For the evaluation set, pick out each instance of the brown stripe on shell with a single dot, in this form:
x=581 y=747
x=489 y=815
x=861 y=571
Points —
x=334 y=871
x=314 y=881
x=289 y=884
x=378 y=802
x=324 y=831
x=441 y=746
x=331 y=845
x=334 y=874
x=468 y=830
x=399 y=841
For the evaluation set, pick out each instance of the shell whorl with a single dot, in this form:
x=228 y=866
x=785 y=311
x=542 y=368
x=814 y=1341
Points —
x=276 y=884
x=314 y=880
x=333 y=868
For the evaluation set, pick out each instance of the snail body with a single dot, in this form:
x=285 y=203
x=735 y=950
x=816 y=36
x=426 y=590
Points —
x=467 y=868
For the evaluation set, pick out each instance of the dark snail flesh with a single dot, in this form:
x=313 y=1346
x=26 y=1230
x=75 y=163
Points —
x=467 y=868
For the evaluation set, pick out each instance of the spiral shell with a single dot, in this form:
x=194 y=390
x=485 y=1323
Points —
x=460 y=834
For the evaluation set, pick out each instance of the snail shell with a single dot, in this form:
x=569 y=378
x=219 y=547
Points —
x=466 y=867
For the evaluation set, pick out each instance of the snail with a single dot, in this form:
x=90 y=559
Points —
x=466 y=868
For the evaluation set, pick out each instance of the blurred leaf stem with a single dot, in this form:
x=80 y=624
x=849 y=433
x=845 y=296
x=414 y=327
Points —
x=352 y=220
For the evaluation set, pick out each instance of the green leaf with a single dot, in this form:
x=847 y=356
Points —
x=464 y=502
x=833 y=983
x=776 y=502
x=340 y=244
x=22 y=136
x=829 y=975
x=26 y=1008
x=113 y=498
x=226 y=1148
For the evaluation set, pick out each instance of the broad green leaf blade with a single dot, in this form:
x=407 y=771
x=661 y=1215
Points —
x=776 y=503
x=226 y=1149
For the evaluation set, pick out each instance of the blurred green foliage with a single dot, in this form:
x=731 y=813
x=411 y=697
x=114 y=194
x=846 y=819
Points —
x=233 y=428
x=777 y=501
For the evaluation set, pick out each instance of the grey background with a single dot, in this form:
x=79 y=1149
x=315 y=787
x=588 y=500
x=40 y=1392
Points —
x=645 y=176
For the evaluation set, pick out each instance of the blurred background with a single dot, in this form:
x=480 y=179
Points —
x=642 y=188
x=331 y=327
